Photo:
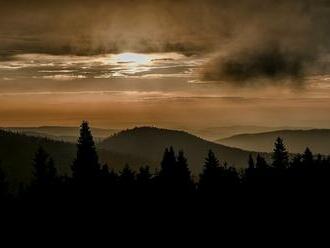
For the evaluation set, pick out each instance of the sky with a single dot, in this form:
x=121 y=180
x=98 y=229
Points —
x=177 y=64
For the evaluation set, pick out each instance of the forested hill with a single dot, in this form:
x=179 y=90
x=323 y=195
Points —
x=18 y=150
x=318 y=140
x=150 y=142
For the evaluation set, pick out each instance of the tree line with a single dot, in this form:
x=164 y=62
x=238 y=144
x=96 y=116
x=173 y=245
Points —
x=299 y=175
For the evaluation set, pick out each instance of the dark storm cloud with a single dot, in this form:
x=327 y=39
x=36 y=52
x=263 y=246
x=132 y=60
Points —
x=99 y=26
x=269 y=62
x=281 y=43
x=249 y=38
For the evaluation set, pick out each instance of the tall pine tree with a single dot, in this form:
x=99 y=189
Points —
x=168 y=166
x=86 y=166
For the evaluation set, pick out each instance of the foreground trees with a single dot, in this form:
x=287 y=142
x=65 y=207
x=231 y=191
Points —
x=175 y=176
x=209 y=179
x=217 y=178
x=281 y=174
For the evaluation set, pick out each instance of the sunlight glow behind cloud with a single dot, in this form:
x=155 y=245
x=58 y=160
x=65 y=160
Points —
x=135 y=58
x=123 y=65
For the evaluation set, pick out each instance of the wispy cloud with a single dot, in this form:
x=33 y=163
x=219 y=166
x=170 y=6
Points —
x=63 y=67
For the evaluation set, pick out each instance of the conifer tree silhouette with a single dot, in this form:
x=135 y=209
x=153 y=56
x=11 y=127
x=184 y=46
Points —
x=44 y=170
x=261 y=162
x=296 y=161
x=280 y=155
x=183 y=174
x=127 y=176
x=304 y=176
x=250 y=171
x=127 y=183
x=168 y=164
x=109 y=176
x=307 y=158
x=86 y=166
x=209 y=179
x=251 y=162
x=105 y=177
x=107 y=183
x=144 y=180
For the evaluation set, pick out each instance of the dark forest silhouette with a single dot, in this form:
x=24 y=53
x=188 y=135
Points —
x=299 y=176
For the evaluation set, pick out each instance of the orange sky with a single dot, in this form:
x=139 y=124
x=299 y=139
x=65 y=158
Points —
x=168 y=63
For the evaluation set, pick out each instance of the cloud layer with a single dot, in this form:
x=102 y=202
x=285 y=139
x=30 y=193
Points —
x=254 y=65
x=276 y=40
x=125 y=65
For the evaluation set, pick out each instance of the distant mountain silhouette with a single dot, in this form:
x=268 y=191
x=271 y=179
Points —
x=61 y=133
x=318 y=140
x=215 y=133
x=150 y=142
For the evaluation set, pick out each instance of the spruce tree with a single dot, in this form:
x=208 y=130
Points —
x=209 y=179
x=86 y=166
x=261 y=162
x=280 y=155
x=168 y=166
x=307 y=158
x=296 y=162
x=183 y=174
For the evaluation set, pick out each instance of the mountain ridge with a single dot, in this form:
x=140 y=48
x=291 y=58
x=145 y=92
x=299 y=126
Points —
x=221 y=132
x=318 y=140
x=152 y=141
x=17 y=151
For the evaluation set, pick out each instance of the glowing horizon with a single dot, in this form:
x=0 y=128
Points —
x=184 y=63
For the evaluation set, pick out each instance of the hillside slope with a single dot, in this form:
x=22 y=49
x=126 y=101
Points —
x=318 y=140
x=215 y=133
x=17 y=152
x=149 y=143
